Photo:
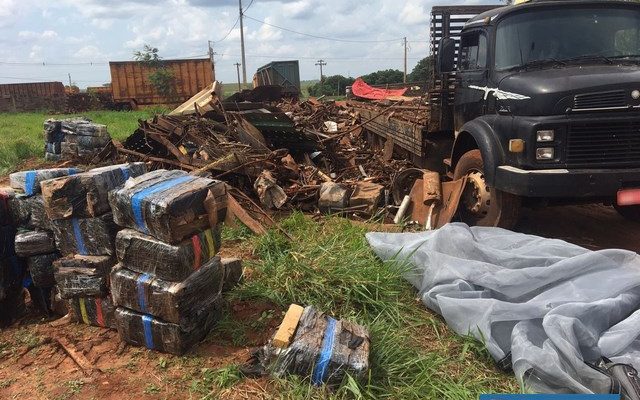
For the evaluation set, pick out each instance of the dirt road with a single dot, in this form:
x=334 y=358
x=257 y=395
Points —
x=592 y=226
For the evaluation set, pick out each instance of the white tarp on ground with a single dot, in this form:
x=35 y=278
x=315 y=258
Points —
x=548 y=303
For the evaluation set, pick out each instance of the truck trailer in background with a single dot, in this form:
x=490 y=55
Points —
x=132 y=89
x=36 y=96
x=280 y=73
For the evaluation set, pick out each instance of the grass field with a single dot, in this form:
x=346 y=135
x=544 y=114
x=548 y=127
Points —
x=330 y=265
x=21 y=133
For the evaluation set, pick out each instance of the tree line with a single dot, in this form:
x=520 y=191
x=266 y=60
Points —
x=336 y=85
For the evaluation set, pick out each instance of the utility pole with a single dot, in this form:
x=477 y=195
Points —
x=213 y=66
x=321 y=63
x=70 y=81
x=238 y=69
x=405 y=59
x=244 y=63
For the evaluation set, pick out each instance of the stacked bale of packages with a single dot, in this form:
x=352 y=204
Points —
x=74 y=139
x=168 y=283
x=12 y=268
x=34 y=242
x=84 y=233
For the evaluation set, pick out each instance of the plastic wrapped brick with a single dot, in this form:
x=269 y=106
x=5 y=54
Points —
x=28 y=212
x=85 y=236
x=88 y=142
x=156 y=334
x=96 y=311
x=6 y=196
x=176 y=302
x=52 y=147
x=232 y=273
x=7 y=241
x=145 y=254
x=324 y=349
x=84 y=195
x=82 y=126
x=32 y=243
x=52 y=157
x=83 y=276
x=12 y=271
x=168 y=205
x=41 y=269
x=28 y=182
x=53 y=131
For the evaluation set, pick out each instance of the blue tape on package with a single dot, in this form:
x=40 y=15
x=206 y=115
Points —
x=125 y=173
x=30 y=183
x=77 y=234
x=320 y=369
x=148 y=334
x=72 y=171
x=142 y=295
x=137 y=198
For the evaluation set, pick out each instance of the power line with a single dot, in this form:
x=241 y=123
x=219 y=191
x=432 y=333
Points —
x=321 y=37
x=87 y=63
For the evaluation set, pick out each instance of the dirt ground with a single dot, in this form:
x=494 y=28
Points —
x=33 y=365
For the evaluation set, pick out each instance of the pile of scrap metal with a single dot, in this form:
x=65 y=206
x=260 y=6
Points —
x=305 y=156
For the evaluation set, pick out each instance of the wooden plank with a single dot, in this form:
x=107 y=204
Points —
x=234 y=209
x=287 y=328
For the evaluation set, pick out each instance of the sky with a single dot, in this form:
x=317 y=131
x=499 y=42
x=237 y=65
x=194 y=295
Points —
x=48 y=40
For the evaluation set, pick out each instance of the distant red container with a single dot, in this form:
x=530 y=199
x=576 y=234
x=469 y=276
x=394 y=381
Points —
x=35 y=96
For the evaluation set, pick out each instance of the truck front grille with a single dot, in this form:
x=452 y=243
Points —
x=611 y=99
x=604 y=143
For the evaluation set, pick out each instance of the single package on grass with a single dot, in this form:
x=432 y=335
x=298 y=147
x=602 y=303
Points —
x=316 y=346
x=146 y=254
x=85 y=195
x=176 y=302
x=169 y=205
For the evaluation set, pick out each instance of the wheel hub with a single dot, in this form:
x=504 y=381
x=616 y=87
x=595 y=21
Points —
x=477 y=196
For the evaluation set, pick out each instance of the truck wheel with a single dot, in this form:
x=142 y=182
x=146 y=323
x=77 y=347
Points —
x=632 y=213
x=481 y=205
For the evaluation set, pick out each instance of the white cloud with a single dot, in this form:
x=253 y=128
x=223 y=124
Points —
x=414 y=13
x=89 y=53
x=31 y=35
x=36 y=52
x=298 y=9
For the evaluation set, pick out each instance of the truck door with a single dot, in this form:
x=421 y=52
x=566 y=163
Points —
x=472 y=77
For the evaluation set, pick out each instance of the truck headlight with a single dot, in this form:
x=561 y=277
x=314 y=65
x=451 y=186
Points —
x=547 y=135
x=545 y=153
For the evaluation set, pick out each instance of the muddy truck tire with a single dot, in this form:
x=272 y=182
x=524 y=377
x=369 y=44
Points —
x=631 y=213
x=480 y=204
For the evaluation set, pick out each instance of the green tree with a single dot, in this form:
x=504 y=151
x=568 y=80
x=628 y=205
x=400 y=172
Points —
x=422 y=71
x=334 y=85
x=384 y=77
x=162 y=78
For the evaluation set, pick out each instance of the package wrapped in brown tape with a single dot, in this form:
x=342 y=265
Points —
x=323 y=349
x=146 y=254
x=28 y=182
x=168 y=205
x=32 y=243
x=96 y=311
x=41 y=268
x=28 y=212
x=83 y=276
x=176 y=302
x=85 y=236
x=84 y=195
x=156 y=334
x=83 y=127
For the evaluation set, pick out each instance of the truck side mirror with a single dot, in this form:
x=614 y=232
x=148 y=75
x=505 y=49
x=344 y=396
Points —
x=445 y=60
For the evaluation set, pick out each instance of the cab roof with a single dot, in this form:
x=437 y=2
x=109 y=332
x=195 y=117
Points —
x=503 y=11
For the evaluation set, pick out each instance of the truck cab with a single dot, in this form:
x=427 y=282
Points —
x=545 y=107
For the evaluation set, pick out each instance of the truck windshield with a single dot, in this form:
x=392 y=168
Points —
x=556 y=35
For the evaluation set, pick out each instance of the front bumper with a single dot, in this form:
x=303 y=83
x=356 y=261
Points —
x=565 y=183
